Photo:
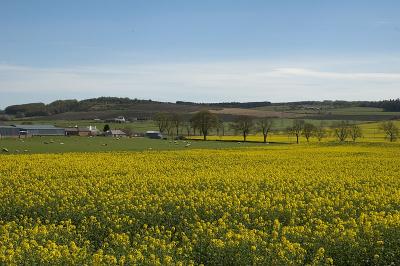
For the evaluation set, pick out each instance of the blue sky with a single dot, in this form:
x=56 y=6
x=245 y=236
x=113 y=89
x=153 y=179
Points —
x=199 y=50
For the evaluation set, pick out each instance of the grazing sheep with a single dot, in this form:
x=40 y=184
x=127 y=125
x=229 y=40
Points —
x=4 y=149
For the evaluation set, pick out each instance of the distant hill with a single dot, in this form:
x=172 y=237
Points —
x=109 y=107
x=105 y=107
x=229 y=104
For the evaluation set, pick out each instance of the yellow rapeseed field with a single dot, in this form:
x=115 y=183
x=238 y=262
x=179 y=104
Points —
x=279 y=205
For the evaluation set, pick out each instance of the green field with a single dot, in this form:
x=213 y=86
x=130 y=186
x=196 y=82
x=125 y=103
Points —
x=361 y=111
x=280 y=124
x=136 y=126
x=329 y=113
x=231 y=139
x=106 y=144
x=371 y=133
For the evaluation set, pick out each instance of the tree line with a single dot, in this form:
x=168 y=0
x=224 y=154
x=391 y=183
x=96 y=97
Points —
x=390 y=105
x=107 y=103
x=63 y=106
x=203 y=122
x=342 y=130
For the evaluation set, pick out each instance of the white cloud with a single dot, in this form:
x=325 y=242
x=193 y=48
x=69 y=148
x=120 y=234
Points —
x=216 y=81
x=338 y=75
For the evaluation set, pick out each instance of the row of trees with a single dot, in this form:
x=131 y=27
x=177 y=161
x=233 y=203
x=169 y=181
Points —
x=62 y=106
x=390 y=105
x=341 y=130
x=201 y=122
x=204 y=121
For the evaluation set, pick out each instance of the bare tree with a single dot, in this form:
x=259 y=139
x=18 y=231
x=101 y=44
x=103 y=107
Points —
x=162 y=120
x=296 y=129
x=341 y=130
x=128 y=131
x=188 y=126
x=204 y=121
x=355 y=132
x=176 y=120
x=243 y=124
x=194 y=127
x=308 y=131
x=390 y=129
x=320 y=131
x=169 y=127
x=4 y=117
x=220 y=127
x=265 y=126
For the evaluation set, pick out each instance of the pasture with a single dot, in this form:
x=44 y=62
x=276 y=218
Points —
x=136 y=126
x=280 y=124
x=106 y=144
x=371 y=133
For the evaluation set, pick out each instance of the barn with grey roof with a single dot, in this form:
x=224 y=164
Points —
x=31 y=130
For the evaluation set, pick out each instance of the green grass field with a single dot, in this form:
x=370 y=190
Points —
x=341 y=111
x=371 y=133
x=136 y=126
x=280 y=124
x=361 y=111
x=106 y=144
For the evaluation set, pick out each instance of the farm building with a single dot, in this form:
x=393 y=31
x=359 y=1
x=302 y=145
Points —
x=119 y=119
x=94 y=131
x=40 y=130
x=154 y=134
x=81 y=131
x=115 y=133
x=77 y=131
x=9 y=131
